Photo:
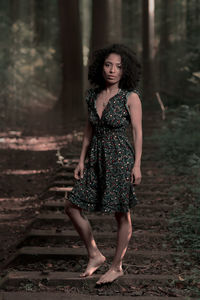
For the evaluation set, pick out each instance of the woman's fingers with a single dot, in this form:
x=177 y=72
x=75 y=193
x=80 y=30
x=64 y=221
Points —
x=81 y=173
x=136 y=177
x=137 y=180
x=132 y=178
x=75 y=174
x=78 y=172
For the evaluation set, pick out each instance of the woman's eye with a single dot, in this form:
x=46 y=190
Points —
x=119 y=67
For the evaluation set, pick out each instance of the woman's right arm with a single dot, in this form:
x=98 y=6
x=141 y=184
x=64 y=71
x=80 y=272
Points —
x=88 y=133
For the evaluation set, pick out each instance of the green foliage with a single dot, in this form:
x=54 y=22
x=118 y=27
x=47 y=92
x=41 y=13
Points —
x=28 y=67
x=190 y=282
x=179 y=142
x=185 y=226
x=30 y=73
x=178 y=57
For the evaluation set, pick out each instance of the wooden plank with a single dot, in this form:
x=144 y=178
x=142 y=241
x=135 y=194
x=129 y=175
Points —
x=62 y=296
x=14 y=278
x=102 y=219
x=81 y=252
x=98 y=235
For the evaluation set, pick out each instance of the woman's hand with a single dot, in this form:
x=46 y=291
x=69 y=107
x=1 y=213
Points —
x=78 y=172
x=136 y=175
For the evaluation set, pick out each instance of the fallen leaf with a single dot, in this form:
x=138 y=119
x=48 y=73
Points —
x=180 y=278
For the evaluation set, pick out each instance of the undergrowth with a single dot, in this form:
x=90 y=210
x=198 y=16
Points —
x=179 y=149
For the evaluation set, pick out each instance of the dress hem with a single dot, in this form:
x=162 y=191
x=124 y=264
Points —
x=102 y=211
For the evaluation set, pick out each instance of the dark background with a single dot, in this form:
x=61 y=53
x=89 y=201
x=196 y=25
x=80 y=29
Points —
x=45 y=47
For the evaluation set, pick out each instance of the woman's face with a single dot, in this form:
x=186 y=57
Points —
x=112 y=68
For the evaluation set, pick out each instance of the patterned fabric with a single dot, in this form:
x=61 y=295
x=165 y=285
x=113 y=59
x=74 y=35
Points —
x=106 y=185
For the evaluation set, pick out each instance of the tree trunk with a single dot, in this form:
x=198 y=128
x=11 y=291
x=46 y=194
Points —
x=147 y=53
x=164 y=46
x=86 y=25
x=70 y=101
x=131 y=24
x=14 y=10
x=39 y=19
x=106 y=23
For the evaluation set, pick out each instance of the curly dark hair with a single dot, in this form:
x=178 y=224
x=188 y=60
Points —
x=130 y=66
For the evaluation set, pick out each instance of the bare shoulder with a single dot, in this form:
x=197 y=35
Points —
x=135 y=109
x=133 y=100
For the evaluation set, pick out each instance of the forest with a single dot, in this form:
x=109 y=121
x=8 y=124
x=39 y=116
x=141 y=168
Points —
x=46 y=48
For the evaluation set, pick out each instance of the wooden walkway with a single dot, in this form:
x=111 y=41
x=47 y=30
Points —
x=51 y=255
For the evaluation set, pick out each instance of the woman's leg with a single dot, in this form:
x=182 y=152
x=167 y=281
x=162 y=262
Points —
x=123 y=236
x=83 y=227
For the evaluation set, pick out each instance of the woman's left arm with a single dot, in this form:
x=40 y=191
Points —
x=135 y=108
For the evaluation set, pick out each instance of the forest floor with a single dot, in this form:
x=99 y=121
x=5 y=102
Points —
x=27 y=161
x=28 y=165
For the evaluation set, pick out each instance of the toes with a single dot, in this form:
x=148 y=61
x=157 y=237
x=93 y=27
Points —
x=84 y=274
x=92 y=267
x=87 y=273
x=100 y=281
x=108 y=277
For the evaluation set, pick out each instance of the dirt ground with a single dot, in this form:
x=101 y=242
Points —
x=27 y=161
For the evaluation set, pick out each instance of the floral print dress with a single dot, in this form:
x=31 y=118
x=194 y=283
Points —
x=106 y=184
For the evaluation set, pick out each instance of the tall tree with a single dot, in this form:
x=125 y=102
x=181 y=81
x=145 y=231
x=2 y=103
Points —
x=72 y=62
x=147 y=49
x=39 y=19
x=131 y=24
x=106 y=23
x=164 y=45
x=86 y=25
x=14 y=10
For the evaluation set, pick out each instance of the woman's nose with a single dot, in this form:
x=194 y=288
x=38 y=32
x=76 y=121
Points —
x=112 y=69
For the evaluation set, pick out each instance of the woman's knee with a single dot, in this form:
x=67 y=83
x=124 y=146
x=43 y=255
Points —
x=71 y=208
x=68 y=207
x=124 y=219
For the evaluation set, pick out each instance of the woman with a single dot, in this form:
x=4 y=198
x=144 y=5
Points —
x=105 y=182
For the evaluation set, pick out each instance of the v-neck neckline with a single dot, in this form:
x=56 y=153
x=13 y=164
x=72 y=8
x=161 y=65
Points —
x=95 y=100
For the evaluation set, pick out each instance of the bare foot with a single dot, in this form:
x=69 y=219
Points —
x=110 y=276
x=93 y=265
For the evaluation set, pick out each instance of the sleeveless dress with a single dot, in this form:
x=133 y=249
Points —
x=106 y=186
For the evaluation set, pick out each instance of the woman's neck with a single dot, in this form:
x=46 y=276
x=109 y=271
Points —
x=111 y=88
